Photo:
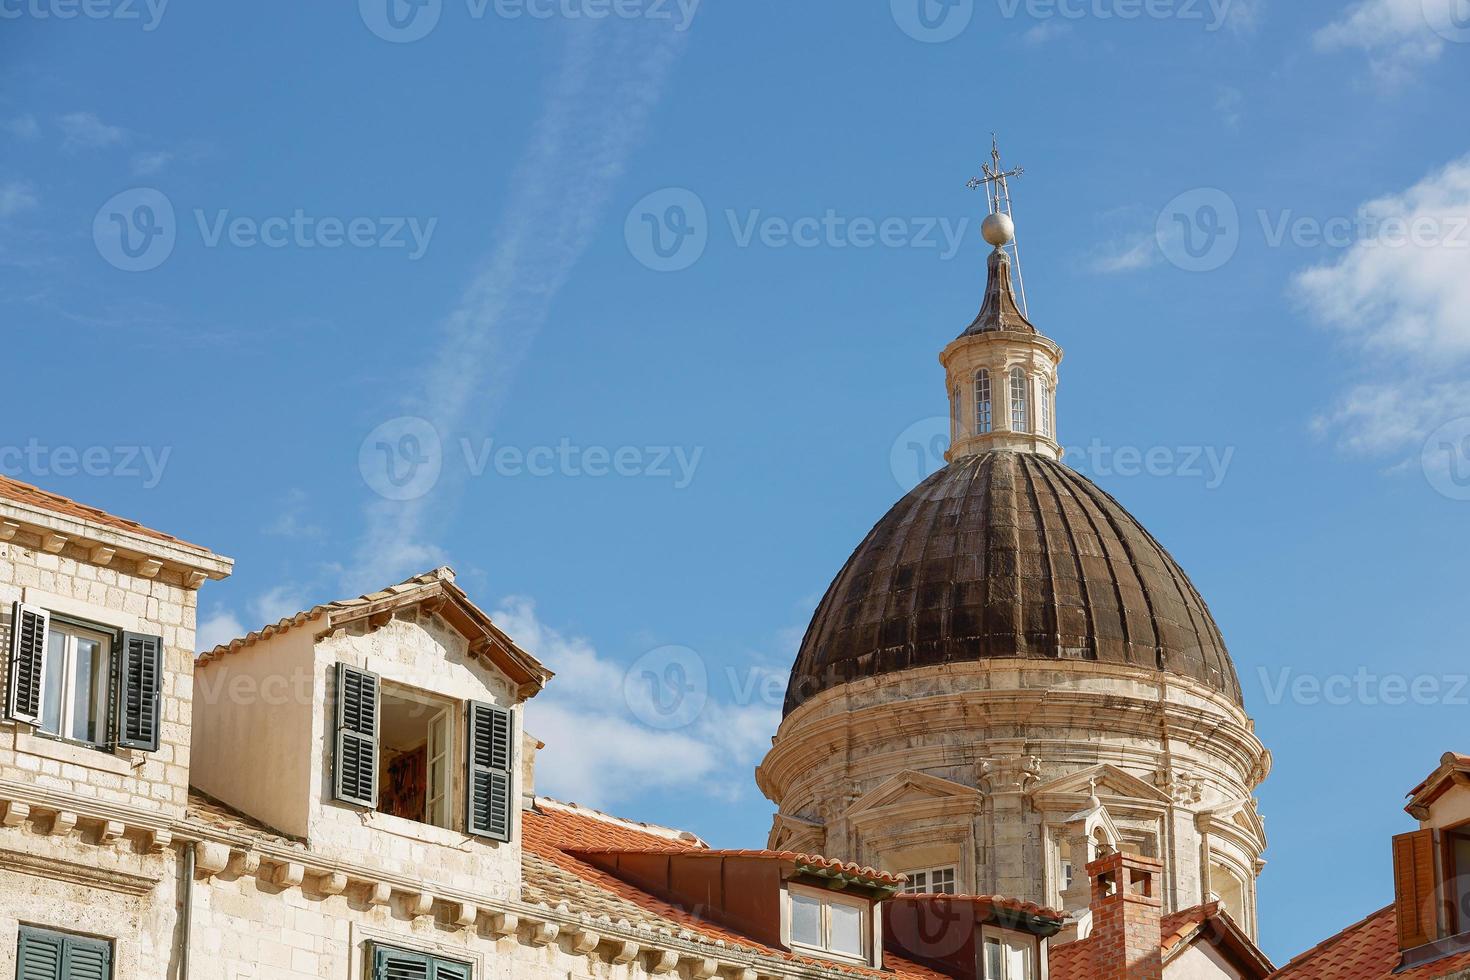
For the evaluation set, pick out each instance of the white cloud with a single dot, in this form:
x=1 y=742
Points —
x=221 y=627
x=85 y=131
x=1398 y=296
x=600 y=753
x=1128 y=254
x=16 y=196
x=150 y=162
x=609 y=81
x=1045 y=31
x=1395 y=34
x=23 y=127
x=276 y=604
x=292 y=521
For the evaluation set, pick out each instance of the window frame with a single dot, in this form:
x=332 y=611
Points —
x=928 y=875
x=1008 y=939
x=984 y=407
x=1458 y=905
x=825 y=900
x=74 y=629
x=431 y=960
x=1043 y=404
x=441 y=710
x=1019 y=400
x=66 y=941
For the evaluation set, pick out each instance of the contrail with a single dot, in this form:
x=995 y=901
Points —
x=611 y=76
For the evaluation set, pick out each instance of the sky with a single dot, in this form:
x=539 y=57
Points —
x=630 y=311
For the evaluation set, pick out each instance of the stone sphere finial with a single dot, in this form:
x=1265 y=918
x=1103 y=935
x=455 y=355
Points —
x=998 y=229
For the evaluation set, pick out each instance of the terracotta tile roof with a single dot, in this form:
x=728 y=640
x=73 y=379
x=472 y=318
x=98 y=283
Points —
x=463 y=615
x=854 y=871
x=984 y=905
x=205 y=809
x=551 y=837
x=1074 y=960
x=25 y=493
x=1366 y=950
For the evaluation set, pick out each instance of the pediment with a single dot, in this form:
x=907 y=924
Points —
x=1239 y=816
x=791 y=833
x=910 y=789
x=1112 y=784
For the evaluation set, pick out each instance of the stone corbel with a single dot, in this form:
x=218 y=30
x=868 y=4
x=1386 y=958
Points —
x=193 y=580
x=243 y=864
x=543 y=933
x=702 y=968
x=159 y=841
x=663 y=962
x=584 y=940
x=288 y=875
x=504 y=924
x=332 y=883
x=52 y=543
x=745 y=974
x=14 y=813
x=416 y=905
x=62 y=823
x=466 y=914
x=102 y=555
x=8 y=530
x=110 y=832
x=625 y=952
x=380 y=893
x=149 y=567
x=210 y=858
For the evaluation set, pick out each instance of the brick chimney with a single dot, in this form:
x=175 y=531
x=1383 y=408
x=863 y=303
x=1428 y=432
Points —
x=1125 y=918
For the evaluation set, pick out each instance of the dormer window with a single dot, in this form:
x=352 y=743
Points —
x=829 y=925
x=1009 y=956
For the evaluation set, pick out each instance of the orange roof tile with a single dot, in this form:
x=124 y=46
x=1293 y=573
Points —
x=984 y=904
x=551 y=838
x=25 y=493
x=865 y=874
x=1366 y=950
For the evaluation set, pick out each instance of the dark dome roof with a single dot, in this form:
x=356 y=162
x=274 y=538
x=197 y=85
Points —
x=1007 y=555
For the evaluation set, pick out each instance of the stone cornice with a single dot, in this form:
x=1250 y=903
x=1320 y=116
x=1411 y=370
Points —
x=104 y=544
x=287 y=865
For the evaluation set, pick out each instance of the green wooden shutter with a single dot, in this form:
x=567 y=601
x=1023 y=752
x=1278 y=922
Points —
x=27 y=676
x=139 y=687
x=39 y=956
x=86 y=959
x=46 y=955
x=490 y=755
x=357 y=736
x=398 y=964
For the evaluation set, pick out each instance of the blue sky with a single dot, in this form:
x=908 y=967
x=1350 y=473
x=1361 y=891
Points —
x=644 y=451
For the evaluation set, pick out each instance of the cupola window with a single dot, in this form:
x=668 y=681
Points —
x=931 y=881
x=1045 y=407
x=982 y=401
x=1020 y=416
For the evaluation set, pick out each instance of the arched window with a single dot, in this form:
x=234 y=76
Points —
x=982 y=401
x=956 y=413
x=1045 y=407
x=1020 y=418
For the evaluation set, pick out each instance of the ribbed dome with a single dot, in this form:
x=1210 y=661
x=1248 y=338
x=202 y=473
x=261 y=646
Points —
x=1006 y=555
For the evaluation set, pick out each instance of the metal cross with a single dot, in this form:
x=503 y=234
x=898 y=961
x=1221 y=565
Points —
x=998 y=192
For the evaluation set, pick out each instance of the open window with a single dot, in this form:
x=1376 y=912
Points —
x=415 y=759
x=74 y=694
x=1009 y=955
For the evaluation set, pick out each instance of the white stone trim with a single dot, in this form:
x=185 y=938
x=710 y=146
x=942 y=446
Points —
x=359 y=935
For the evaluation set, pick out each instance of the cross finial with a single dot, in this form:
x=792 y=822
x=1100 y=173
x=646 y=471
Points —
x=997 y=190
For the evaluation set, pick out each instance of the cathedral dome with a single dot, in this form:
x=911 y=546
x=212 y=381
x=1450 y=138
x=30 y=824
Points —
x=1009 y=555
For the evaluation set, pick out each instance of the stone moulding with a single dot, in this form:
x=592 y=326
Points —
x=289 y=866
x=54 y=533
